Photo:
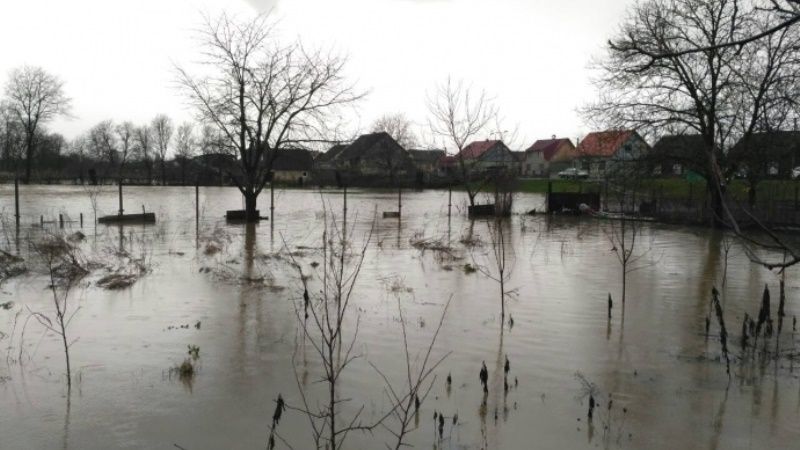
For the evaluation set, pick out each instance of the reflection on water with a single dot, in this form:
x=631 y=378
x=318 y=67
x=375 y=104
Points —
x=660 y=372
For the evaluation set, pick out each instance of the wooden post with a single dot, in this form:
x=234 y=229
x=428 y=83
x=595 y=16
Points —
x=272 y=197
x=81 y=215
x=120 y=197
x=547 y=198
x=344 y=212
x=197 y=206
x=399 y=202
x=605 y=196
x=449 y=199
x=16 y=200
x=41 y=221
x=60 y=220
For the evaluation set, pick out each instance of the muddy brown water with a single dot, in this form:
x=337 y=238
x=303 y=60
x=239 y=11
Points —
x=668 y=386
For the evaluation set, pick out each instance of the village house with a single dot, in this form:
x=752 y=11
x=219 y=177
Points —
x=677 y=155
x=767 y=155
x=293 y=166
x=611 y=152
x=373 y=158
x=547 y=156
x=327 y=160
x=426 y=162
x=481 y=157
x=519 y=161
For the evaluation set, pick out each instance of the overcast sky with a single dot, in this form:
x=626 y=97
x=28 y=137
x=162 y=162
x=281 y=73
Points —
x=117 y=57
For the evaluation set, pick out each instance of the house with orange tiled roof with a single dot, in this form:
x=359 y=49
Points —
x=603 y=152
x=548 y=155
x=485 y=156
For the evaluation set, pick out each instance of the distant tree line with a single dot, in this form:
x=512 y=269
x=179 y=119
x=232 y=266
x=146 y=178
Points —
x=156 y=152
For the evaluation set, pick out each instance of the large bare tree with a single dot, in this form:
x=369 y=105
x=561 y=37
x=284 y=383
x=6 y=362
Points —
x=162 y=129
x=717 y=91
x=781 y=14
x=459 y=113
x=35 y=97
x=263 y=95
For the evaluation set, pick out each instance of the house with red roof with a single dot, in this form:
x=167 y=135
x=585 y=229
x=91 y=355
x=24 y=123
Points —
x=602 y=152
x=547 y=156
x=482 y=156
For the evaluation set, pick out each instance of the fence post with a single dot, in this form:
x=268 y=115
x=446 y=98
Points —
x=399 y=201
x=81 y=214
x=547 y=198
x=449 y=198
x=16 y=200
x=60 y=220
x=120 y=196
x=197 y=205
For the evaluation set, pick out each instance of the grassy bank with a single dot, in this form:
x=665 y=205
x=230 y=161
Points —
x=670 y=188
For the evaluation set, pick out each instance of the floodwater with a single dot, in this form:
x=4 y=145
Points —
x=665 y=378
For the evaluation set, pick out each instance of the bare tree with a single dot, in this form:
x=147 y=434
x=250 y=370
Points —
x=502 y=262
x=144 y=148
x=698 y=91
x=185 y=147
x=65 y=270
x=323 y=322
x=103 y=144
x=625 y=233
x=458 y=113
x=162 y=129
x=263 y=96
x=35 y=97
x=783 y=14
x=12 y=138
x=126 y=133
x=398 y=127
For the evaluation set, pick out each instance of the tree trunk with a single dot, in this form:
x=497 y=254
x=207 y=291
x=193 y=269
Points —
x=751 y=195
x=250 y=205
x=715 y=204
x=28 y=157
x=163 y=173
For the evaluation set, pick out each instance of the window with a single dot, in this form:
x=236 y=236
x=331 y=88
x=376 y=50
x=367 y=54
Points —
x=773 y=169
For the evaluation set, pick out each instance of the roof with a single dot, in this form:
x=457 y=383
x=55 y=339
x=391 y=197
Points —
x=772 y=144
x=426 y=156
x=364 y=144
x=604 y=143
x=332 y=153
x=293 y=159
x=549 y=147
x=476 y=149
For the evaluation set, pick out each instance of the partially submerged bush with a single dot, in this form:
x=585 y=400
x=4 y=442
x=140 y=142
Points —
x=11 y=266
x=117 y=281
